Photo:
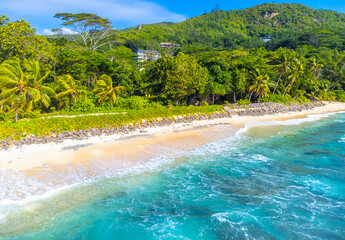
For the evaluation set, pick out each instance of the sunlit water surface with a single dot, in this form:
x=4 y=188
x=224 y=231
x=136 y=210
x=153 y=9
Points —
x=278 y=180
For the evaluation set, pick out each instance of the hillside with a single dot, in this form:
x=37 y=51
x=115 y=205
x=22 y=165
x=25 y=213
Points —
x=288 y=24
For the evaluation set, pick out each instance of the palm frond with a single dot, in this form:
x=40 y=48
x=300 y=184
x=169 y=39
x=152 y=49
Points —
x=107 y=79
x=63 y=84
x=8 y=92
x=47 y=90
x=65 y=93
x=30 y=106
x=7 y=82
x=45 y=100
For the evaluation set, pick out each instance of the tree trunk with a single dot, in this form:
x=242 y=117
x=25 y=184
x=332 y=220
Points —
x=285 y=91
x=250 y=96
x=16 y=116
x=234 y=96
x=276 y=86
x=111 y=102
x=54 y=71
x=191 y=100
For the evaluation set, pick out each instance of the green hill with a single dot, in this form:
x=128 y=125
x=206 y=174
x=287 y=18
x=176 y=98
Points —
x=288 y=24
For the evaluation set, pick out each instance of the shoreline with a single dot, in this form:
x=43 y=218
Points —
x=140 y=144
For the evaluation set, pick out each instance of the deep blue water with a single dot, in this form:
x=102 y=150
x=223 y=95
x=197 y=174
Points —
x=270 y=182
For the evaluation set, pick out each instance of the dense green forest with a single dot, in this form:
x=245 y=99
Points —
x=289 y=25
x=223 y=58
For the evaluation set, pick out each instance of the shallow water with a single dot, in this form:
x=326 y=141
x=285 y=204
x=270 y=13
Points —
x=277 y=180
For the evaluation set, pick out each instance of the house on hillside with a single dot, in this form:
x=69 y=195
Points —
x=266 y=39
x=147 y=56
x=169 y=45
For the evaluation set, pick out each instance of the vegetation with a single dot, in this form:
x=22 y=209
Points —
x=105 y=89
x=288 y=25
x=223 y=58
x=49 y=126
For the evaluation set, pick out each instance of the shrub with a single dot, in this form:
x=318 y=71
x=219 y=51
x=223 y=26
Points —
x=83 y=106
x=48 y=126
x=327 y=96
x=276 y=98
x=204 y=103
x=32 y=114
x=244 y=102
x=2 y=116
x=303 y=99
x=5 y=116
x=135 y=102
x=340 y=96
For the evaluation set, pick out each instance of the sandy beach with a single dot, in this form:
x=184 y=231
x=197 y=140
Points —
x=139 y=145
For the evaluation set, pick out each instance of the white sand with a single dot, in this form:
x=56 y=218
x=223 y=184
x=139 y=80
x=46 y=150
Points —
x=145 y=142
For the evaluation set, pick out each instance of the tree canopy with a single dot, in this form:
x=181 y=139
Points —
x=91 y=30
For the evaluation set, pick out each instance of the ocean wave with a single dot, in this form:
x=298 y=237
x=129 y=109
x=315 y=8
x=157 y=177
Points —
x=18 y=189
x=291 y=122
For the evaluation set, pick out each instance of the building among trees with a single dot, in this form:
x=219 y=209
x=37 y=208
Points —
x=169 y=45
x=147 y=56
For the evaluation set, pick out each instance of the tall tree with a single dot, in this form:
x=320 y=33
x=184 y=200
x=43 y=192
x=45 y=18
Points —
x=105 y=90
x=35 y=81
x=177 y=78
x=260 y=85
x=18 y=39
x=69 y=90
x=296 y=70
x=17 y=87
x=281 y=63
x=91 y=30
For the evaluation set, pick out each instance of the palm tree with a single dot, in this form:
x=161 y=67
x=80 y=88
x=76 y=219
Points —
x=315 y=67
x=69 y=89
x=17 y=90
x=104 y=89
x=35 y=81
x=295 y=71
x=282 y=61
x=260 y=86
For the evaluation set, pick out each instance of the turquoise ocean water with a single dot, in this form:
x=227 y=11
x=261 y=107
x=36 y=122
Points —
x=276 y=180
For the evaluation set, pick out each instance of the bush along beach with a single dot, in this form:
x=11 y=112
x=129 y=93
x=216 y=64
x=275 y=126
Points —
x=60 y=128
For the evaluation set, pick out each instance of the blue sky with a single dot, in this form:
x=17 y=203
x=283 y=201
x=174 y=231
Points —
x=128 y=13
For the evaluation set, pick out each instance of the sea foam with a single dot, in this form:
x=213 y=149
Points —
x=309 y=118
x=18 y=189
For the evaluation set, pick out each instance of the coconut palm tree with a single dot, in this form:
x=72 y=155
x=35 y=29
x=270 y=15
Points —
x=35 y=81
x=17 y=89
x=69 y=89
x=296 y=70
x=316 y=67
x=281 y=63
x=260 y=85
x=104 y=89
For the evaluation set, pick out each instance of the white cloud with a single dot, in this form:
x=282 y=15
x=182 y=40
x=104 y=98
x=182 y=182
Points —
x=64 y=30
x=133 y=12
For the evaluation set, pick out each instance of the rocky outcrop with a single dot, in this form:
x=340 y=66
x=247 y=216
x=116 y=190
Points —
x=270 y=15
x=259 y=109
